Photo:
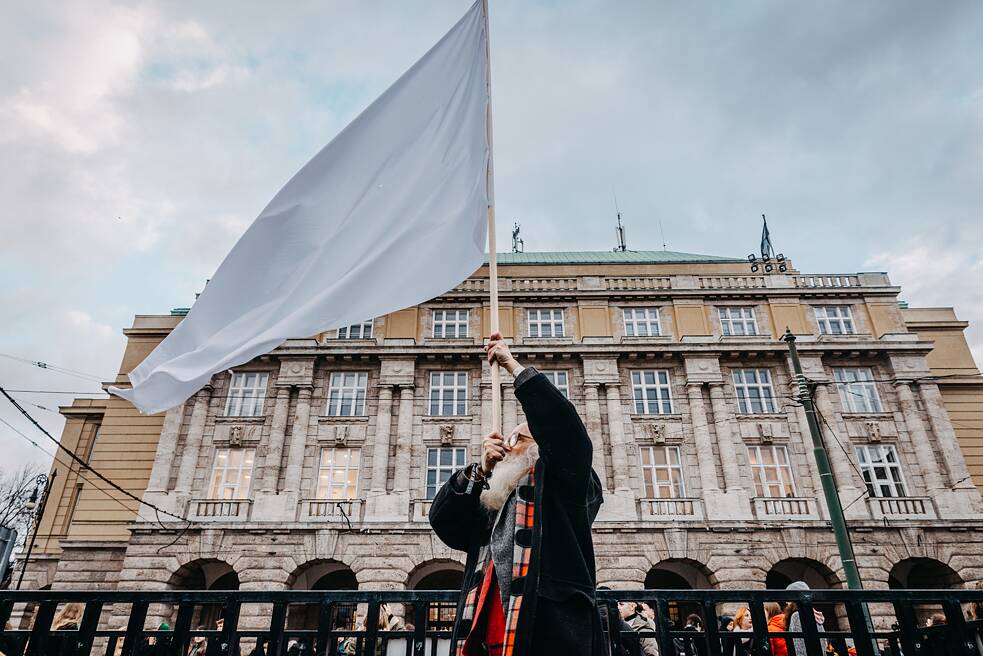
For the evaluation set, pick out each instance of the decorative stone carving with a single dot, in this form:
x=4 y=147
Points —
x=237 y=434
x=873 y=430
x=396 y=372
x=766 y=431
x=341 y=435
x=601 y=370
x=657 y=432
x=703 y=369
x=296 y=371
x=447 y=435
x=910 y=366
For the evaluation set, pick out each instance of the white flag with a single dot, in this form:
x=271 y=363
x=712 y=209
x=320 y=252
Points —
x=391 y=213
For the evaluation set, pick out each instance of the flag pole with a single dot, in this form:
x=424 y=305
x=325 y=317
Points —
x=496 y=374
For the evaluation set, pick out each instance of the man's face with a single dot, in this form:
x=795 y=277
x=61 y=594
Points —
x=520 y=438
x=626 y=608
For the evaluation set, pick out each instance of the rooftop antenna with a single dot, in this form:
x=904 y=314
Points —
x=518 y=245
x=620 y=230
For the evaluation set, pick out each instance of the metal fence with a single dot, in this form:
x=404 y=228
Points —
x=326 y=623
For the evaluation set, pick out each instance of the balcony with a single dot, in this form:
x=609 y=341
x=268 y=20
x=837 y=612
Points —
x=901 y=508
x=231 y=510
x=420 y=509
x=784 y=508
x=670 y=509
x=331 y=510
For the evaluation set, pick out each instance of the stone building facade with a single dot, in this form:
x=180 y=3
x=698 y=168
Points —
x=312 y=467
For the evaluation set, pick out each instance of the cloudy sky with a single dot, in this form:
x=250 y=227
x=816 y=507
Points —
x=137 y=141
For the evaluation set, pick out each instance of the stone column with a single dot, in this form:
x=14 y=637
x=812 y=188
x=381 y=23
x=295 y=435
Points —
x=278 y=432
x=945 y=436
x=725 y=439
x=701 y=433
x=619 y=447
x=924 y=450
x=404 y=440
x=298 y=443
x=593 y=424
x=192 y=446
x=166 y=450
x=380 y=446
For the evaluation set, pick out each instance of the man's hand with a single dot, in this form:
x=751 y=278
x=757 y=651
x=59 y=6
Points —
x=494 y=450
x=498 y=351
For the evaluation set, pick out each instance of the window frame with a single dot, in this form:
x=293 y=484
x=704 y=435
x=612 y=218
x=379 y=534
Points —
x=540 y=322
x=216 y=487
x=860 y=395
x=676 y=483
x=846 y=324
x=742 y=389
x=868 y=469
x=354 y=394
x=458 y=402
x=646 y=321
x=640 y=401
x=554 y=376
x=444 y=322
x=362 y=327
x=353 y=457
x=238 y=395
x=459 y=457
x=762 y=485
x=728 y=322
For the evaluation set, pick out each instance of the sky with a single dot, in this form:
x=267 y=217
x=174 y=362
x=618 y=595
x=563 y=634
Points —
x=139 y=140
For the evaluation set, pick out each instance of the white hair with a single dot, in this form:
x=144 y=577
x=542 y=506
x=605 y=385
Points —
x=506 y=476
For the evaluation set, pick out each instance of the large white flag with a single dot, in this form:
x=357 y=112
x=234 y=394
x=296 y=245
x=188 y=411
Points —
x=389 y=214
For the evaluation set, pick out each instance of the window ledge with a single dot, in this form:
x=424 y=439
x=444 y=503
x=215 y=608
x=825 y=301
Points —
x=641 y=419
x=546 y=341
x=762 y=416
x=625 y=339
x=844 y=338
x=868 y=415
x=745 y=338
x=332 y=419
x=441 y=419
x=448 y=341
x=260 y=419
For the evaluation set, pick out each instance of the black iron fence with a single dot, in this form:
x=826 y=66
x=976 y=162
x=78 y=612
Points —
x=327 y=623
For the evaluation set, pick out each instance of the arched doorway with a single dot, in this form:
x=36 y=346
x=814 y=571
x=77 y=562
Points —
x=205 y=574
x=322 y=575
x=816 y=575
x=923 y=574
x=680 y=574
x=436 y=575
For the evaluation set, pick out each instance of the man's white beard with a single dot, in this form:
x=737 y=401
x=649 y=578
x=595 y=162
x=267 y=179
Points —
x=506 y=476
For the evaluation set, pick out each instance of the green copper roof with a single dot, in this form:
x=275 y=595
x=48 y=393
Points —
x=611 y=257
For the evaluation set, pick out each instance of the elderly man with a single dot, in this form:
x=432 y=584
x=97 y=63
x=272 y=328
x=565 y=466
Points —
x=523 y=515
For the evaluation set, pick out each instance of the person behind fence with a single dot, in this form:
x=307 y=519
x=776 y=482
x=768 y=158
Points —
x=740 y=645
x=69 y=618
x=634 y=616
x=794 y=622
x=199 y=644
x=691 y=646
x=523 y=514
x=776 y=624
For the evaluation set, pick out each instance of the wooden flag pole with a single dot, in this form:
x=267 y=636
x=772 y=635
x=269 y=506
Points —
x=496 y=373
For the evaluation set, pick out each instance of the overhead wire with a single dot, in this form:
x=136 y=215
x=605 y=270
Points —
x=55 y=368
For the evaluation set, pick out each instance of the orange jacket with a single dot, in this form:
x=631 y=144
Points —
x=778 y=646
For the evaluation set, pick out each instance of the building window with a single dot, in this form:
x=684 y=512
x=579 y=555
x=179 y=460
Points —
x=545 y=322
x=246 y=394
x=357 y=331
x=450 y=324
x=662 y=472
x=882 y=470
x=858 y=392
x=448 y=393
x=232 y=472
x=642 y=322
x=737 y=321
x=441 y=463
x=834 y=320
x=559 y=380
x=337 y=473
x=754 y=392
x=346 y=394
x=772 y=471
x=651 y=392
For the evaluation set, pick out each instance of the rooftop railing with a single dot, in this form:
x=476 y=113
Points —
x=332 y=622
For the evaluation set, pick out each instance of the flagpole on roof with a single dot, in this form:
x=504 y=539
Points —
x=496 y=375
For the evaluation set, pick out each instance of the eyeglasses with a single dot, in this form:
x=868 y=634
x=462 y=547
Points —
x=513 y=439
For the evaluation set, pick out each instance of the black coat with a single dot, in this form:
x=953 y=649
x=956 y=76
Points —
x=562 y=576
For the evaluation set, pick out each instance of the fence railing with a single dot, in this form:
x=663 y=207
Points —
x=333 y=622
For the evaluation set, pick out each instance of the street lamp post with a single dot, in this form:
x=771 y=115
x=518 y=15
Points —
x=36 y=509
